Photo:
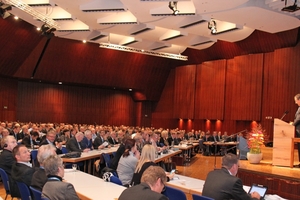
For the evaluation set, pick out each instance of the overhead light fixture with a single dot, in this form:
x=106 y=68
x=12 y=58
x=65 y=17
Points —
x=47 y=31
x=291 y=8
x=173 y=7
x=212 y=25
x=4 y=8
x=142 y=51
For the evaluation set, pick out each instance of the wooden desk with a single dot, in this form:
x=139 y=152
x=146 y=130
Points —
x=187 y=150
x=91 y=187
x=185 y=183
x=170 y=154
x=89 y=158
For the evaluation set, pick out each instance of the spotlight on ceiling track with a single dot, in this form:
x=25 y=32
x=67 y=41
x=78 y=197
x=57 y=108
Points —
x=47 y=31
x=291 y=8
x=173 y=7
x=4 y=8
x=212 y=25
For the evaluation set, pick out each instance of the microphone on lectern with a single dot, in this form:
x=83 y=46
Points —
x=284 y=114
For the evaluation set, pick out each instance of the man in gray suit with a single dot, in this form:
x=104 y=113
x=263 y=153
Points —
x=152 y=183
x=223 y=184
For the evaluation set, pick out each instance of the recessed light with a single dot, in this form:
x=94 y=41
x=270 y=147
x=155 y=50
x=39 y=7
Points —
x=59 y=83
x=84 y=41
x=16 y=17
x=130 y=89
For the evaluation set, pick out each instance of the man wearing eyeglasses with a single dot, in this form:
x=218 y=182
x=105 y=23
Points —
x=152 y=184
x=223 y=184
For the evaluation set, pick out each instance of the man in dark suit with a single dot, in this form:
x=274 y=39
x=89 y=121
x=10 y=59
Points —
x=152 y=183
x=112 y=139
x=223 y=184
x=22 y=170
x=7 y=160
x=51 y=139
x=74 y=144
x=39 y=177
x=296 y=122
x=87 y=142
x=30 y=140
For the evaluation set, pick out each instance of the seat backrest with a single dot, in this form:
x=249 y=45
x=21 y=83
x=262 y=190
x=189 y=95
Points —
x=198 y=197
x=107 y=159
x=34 y=156
x=115 y=180
x=174 y=194
x=5 y=181
x=36 y=193
x=24 y=191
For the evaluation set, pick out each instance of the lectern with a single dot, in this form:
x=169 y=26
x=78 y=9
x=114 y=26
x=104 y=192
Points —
x=283 y=147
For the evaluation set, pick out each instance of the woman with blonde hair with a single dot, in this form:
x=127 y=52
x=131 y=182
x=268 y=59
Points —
x=146 y=160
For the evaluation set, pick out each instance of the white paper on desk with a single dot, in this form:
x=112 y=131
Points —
x=273 y=197
x=104 y=144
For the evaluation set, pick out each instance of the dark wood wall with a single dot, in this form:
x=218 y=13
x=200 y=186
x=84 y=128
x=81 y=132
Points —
x=229 y=95
x=8 y=99
x=60 y=103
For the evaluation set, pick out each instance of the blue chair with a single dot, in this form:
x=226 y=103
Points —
x=106 y=159
x=5 y=182
x=24 y=191
x=174 y=194
x=199 y=197
x=115 y=180
x=36 y=193
x=34 y=157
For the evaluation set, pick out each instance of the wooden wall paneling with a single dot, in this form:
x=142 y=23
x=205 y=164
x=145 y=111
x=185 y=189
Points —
x=246 y=81
x=184 y=93
x=60 y=103
x=162 y=114
x=210 y=90
x=8 y=99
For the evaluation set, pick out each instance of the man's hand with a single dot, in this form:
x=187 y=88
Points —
x=255 y=195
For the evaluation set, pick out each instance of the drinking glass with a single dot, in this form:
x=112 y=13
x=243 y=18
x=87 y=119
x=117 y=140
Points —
x=74 y=167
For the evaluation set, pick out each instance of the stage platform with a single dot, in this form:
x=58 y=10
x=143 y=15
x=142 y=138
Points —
x=283 y=181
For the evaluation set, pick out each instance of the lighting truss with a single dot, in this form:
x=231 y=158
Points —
x=31 y=11
x=135 y=50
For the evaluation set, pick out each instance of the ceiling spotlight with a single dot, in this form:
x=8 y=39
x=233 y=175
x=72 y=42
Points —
x=47 y=31
x=212 y=26
x=4 y=8
x=173 y=7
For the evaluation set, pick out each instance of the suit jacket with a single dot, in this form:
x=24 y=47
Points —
x=27 y=141
x=87 y=144
x=141 y=191
x=39 y=179
x=73 y=145
x=97 y=142
x=58 y=190
x=45 y=142
x=297 y=122
x=112 y=141
x=136 y=179
x=22 y=173
x=115 y=161
x=7 y=160
x=221 y=185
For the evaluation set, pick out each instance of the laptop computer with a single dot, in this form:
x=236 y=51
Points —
x=260 y=189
